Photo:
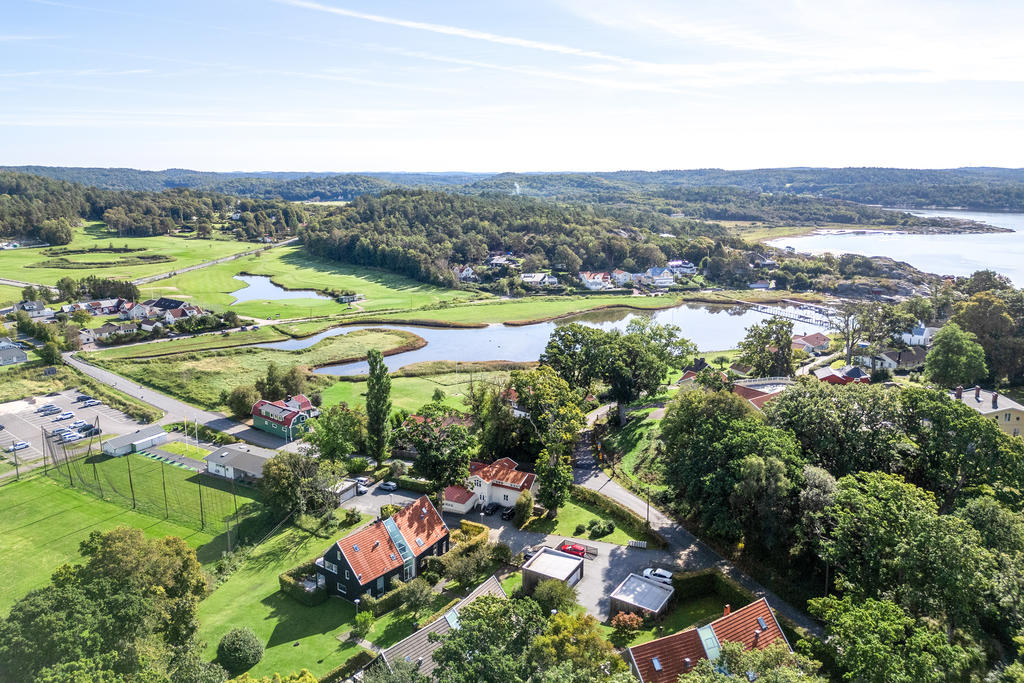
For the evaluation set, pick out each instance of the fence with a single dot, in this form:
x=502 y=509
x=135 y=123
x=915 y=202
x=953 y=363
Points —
x=154 y=486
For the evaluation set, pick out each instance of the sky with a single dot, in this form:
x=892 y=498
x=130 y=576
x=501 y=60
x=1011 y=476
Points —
x=563 y=85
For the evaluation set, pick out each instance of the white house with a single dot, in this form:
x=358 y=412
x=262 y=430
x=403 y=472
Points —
x=660 y=277
x=539 y=279
x=465 y=273
x=891 y=359
x=132 y=310
x=621 y=277
x=498 y=482
x=919 y=335
x=86 y=336
x=762 y=284
x=682 y=267
x=595 y=281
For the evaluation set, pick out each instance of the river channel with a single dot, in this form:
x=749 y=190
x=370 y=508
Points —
x=957 y=255
x=710 y=327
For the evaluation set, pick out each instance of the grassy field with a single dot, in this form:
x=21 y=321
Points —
x=185 y=252
x=570 y=515
x=199 y=378
x=186 y=450
x=108 y=478
x=9 y=295
x=680 y=616
x=636 y=445
x=412 y=392
x=292 y=268
x=43 y=523
x=295 y=636
x=204 y=342
x=530 y=309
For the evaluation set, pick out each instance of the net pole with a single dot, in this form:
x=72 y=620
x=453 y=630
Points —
x=131 y=485
x=163 y=479
x=202 y=516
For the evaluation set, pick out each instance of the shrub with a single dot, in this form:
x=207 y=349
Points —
x=290 y=583
x=591 y=524
x=415 y=485
x=627 y=519
x=364 y=622
x=398 y=468
x=349 y=517
x=578 y=531
x=473 y=530
x=602 y=528
x=431 y=577
x=387 y=511
x=626 y=624
x=880 y=375
x=554 y=594
x=355 y=663
x=357 y=464
x=500 y=552
x=524 y=509
x=239 y=650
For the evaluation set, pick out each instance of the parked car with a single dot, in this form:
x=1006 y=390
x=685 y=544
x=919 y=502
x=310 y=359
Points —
x=508 y=513
x=78 y=423
x=70 y=437
x=491 y=508
x=92 y=402
x=255 y=327
x=388 y=486
x=2 y=428
x=68 y=415
x=360 y=489
x=573 y=549
x=363 y=480
x=90 y=430
x=59 y=431
x=659 y=575
x=529 y=551
x=83 y=397
x=16 y=446
x=48 y=406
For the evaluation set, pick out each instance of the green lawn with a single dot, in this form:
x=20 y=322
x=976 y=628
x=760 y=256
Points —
x=203 y=342
x=636 y=446
x=9 y=294
x=295 y=636
x=199 y=378
x=530 y=309
x=399 y=624
x=185 y=252
x=43 y=523
x=109 y=478
x=292 y=268
x=680 y=616
x=411 y=393
x=187 y=450
x=571 y=514
x=512 y=582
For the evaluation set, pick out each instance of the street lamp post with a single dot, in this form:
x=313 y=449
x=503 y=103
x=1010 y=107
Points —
x=357 y=605
x=648 y=506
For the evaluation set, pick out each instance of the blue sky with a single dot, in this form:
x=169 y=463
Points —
x=352 y=85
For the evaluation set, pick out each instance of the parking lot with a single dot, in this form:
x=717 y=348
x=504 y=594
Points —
x=22 y=423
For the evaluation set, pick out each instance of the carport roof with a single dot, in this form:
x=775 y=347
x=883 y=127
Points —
x=129 y=439
x=553 y=563
x=650 y=595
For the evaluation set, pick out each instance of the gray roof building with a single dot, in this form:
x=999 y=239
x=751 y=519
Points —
x=11 y=353
x=136 y=441
x=238 y=461
x=640 y=595
x=419 y=649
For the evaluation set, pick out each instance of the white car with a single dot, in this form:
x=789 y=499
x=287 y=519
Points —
x=659 y=575
x=77 y=423
x=92 y=402
x=16 y=446
x=360 y=489
x=363 y=480
x=388 y=486
x=70 y=437
x=64 y=416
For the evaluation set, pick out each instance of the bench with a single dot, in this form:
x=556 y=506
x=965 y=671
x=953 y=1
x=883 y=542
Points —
x=637 y=544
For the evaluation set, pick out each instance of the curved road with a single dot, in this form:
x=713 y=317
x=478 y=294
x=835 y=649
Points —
x=689 y=552
x=175 y=410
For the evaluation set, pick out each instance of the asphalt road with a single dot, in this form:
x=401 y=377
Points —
x=175 y=410
x=686 y=551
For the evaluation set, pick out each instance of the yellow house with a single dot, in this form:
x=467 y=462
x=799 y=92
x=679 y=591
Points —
x=1008 y=414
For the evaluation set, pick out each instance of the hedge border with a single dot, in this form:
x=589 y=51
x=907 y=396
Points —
x=423 y=623
x=414 y=485
x=294 y=590
x=626 y=518
x=356 y=662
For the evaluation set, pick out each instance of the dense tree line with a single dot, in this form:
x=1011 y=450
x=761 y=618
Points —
x=905 y=504
x=44 y=209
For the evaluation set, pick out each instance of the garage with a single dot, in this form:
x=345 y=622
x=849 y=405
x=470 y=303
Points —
x=551 y=564
x=139 y=440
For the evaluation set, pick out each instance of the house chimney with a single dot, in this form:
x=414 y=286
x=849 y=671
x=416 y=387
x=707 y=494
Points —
x=287 y=398
x=728 y=608
x=995 y=399
x=959 y=392
x=757 y=636
x=977 y=393
x=686 y=664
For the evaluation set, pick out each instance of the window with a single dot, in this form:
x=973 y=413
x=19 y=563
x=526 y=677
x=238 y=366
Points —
x=347 y=575
x=506 y=496
x=482 y=497
x=380 y=585
x=331 y=567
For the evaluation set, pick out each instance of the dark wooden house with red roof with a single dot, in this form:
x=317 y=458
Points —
x=665 y=659
x=286 y=419
x=367 y=560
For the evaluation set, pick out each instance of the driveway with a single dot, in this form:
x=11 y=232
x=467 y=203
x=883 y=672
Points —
x=370 y=502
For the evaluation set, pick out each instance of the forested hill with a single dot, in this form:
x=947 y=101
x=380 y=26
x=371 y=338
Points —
x=980 y=188
x=422 y=233
x=37 y=208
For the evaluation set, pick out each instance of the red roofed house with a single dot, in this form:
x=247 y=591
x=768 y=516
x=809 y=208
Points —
x=846 y=375
x=285 y=418
x=811 y=343
x=665 y=659
x=367 y=560
x=498 y=482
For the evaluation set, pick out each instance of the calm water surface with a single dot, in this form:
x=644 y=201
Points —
x=943 y=254
x=260 y=288
x=710 y=327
